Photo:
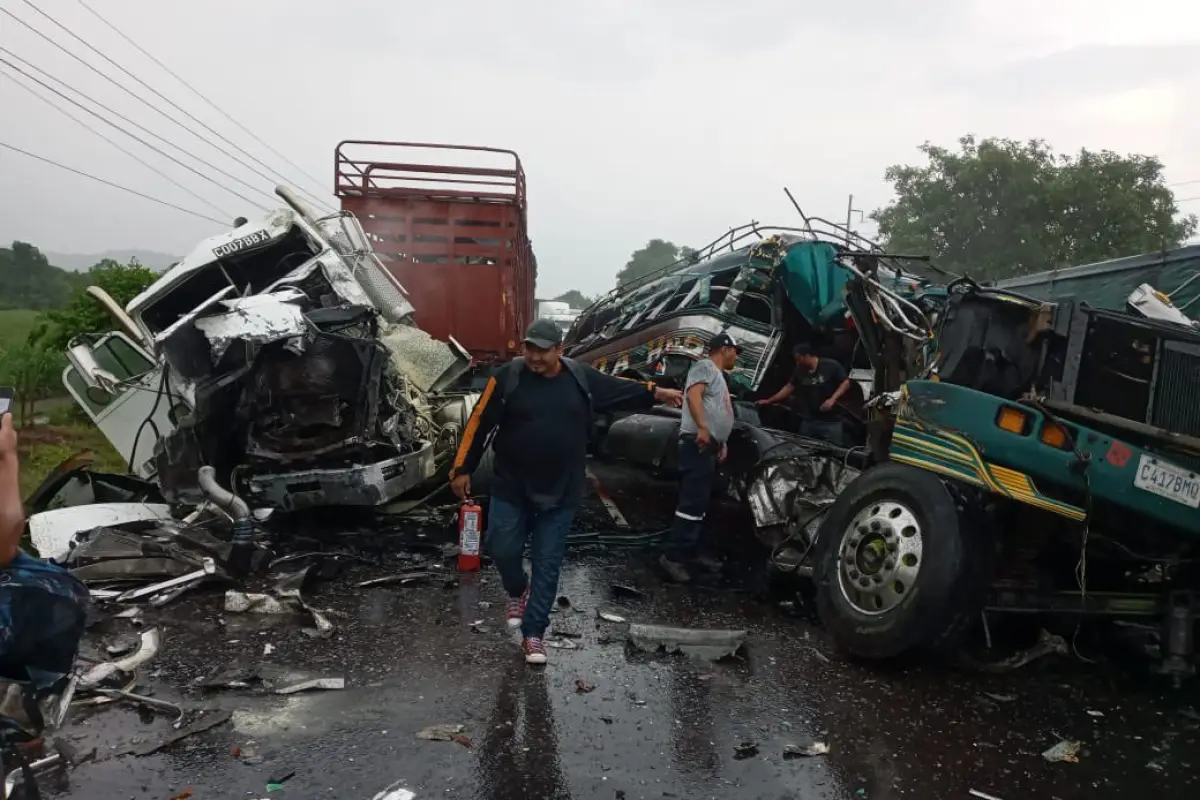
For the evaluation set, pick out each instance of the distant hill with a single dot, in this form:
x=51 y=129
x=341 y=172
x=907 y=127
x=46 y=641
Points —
x=29 y=281
x=80 y=262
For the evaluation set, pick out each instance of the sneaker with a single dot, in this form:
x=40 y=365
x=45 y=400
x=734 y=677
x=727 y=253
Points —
x=675 y=571
x=535 y=650
x=515 y=611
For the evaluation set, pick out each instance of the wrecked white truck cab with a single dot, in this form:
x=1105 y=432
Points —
x=282 y=354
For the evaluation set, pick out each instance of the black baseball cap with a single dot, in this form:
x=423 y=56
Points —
x=543 y=334
x=723 y=339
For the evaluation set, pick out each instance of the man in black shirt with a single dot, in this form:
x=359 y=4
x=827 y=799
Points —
x=540 y=408
x=817 y=385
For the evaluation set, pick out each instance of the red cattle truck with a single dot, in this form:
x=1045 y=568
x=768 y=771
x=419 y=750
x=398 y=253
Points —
x=450 y=223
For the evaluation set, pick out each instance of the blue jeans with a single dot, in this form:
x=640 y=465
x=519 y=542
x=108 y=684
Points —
x=697 y=471
x=509 y=527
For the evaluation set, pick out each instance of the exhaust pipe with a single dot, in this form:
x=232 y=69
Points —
x=241 y=556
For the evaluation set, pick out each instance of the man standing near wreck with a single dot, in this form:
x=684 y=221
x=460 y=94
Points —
x=818 y=384
x=540 y=408
x=703 y=433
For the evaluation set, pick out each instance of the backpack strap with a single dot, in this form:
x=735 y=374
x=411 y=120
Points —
x=511 y=378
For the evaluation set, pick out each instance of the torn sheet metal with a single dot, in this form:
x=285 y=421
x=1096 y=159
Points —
x=789 y=493
x=286 y=600
x=143 y=551
x=257 y=319
x=272 y=678
x=710 y=645
x=425 y=361
x=53 y=531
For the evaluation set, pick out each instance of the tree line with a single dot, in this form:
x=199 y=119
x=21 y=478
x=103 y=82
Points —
x=33 y=365
x=998 y=208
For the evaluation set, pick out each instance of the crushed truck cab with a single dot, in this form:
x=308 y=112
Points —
x=282 y=354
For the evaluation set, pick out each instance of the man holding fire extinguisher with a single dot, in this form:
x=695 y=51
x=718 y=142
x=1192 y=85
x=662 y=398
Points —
x=540 y=408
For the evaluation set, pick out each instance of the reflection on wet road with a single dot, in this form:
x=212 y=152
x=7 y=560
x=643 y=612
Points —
x=655 y=726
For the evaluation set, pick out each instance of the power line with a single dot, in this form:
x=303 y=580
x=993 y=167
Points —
x=139 y=98
x=169 y=101
x=198 y=93
x=142 y=128
x=135 y=157
x=113 y=185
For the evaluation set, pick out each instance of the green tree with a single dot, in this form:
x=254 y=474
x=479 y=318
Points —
x=33 y=373
x=998 y=208
x=575 y=298
x=657 y=254
x=83 y=314
x=27 y=279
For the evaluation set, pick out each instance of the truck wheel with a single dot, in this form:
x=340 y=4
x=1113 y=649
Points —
x=896 y=567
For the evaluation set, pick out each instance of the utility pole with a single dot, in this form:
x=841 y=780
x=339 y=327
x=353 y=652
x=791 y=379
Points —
x=850 y=212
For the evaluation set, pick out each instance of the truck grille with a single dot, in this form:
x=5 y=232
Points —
x=1176 y=389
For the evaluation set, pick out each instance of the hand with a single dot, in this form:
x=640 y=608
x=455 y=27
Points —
x=703 y=438
x=724 y=452
x=461 y=486
x=828 y=404
x=763 y=401
x=672 y=397
x=8 y=437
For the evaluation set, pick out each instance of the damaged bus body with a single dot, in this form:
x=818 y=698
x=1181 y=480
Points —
x=282 y=354
x=1046 y=460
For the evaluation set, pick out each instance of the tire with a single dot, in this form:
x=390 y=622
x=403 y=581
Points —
x=925 y=554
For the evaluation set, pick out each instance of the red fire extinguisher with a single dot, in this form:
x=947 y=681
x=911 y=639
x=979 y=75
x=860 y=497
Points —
x=470 y=536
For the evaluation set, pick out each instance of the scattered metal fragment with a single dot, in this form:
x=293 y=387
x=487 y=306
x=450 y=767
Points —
x=245 y=602
x=1000 y=698
x=711 y=645
x=189 y=580
x=561 y=644
x=745 y=750
x=123 y=645
x=608 y=616
x=328 y=684
x=129 y=613
x=621 y=591
x=205 y=723
x=39 y=767
x=403 y=578
x=583 y=687
x=395 y=792
x=982 y=795
x=148 y=702
x=1066 y=750
x=440 y=733
x=151 y=641
x=820 y=656
x=805 y=751
x=1048 y=644
x=1095 y=713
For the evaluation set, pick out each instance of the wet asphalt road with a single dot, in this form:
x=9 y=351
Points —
x=655 y=726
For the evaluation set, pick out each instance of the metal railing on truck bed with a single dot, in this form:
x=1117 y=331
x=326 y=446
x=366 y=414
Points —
x=453 y=233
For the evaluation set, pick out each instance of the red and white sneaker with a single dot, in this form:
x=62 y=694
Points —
x=515 y=611
x=535 y=650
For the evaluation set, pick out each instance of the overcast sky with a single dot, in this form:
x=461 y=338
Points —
x=673 y=119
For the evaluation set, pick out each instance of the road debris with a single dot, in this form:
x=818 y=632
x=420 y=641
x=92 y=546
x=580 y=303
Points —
x=117 y=671
x=608 y=616
x=271 y=678
x=441 y=733
x=624 y=592
x=710 y=645
x=1065 y=751
x=395 y=792
x=309 y=684
x=403 y=578
x=982 y=795
x=113 y=695
x=583 y=687
x=205 y=723
x=805 y=751
x=561 y=644
x=745 y=750
x=1048 y=644
x=251 y=603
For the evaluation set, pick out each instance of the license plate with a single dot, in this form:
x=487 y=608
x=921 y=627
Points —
x=238 y=245
x=1167 y=480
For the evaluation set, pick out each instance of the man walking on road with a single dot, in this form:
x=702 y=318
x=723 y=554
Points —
x=540 y=408
x=703 y=434
x=818 y=384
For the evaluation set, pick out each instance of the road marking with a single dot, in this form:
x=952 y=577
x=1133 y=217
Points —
x=613 y=511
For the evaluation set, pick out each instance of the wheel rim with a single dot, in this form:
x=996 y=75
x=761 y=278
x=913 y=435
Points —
x=879 y=557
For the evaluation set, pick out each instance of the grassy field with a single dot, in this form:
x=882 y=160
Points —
x=44 y=447
x=15 y=325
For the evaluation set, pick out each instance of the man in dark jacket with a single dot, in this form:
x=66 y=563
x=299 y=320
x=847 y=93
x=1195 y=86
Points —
x=540 y=408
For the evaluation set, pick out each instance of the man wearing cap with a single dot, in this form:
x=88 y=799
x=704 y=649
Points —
x=703 y=434
x=540 y=407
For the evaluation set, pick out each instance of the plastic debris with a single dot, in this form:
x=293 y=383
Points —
x=441 y=733
x=805 y=751
x=1066 y=750
x=710 y=645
